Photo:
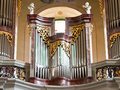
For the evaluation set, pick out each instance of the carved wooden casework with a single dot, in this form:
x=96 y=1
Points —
x=74 y=27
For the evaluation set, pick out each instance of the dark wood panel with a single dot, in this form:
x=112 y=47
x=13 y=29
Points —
x=62 y=81
x=60 y=36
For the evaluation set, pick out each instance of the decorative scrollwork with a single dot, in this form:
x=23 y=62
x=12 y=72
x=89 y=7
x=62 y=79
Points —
x=101 y=7
x=101 y=73
x=8 y=35
x=19 y=6
x=65 y=45
x=113 y=38
x=75 y=31
x=44 y=33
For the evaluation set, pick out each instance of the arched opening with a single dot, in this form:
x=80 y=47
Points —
x=60 y=12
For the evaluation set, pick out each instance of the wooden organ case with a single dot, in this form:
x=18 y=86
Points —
x=112 y=9
x=8 y=15
x=61 y=58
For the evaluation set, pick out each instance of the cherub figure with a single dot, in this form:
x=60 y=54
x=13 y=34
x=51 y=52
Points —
x=87 y=7
x=31 y=7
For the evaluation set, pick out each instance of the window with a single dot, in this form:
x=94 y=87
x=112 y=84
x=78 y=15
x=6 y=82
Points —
x=60 y=26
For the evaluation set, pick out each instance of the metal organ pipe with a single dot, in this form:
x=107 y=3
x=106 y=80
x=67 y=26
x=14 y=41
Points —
x=113 y=7
x=6 y=13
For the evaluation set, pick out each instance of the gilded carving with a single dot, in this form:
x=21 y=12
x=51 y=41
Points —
x=113 y=38
x=91 y=28
x=65 y=45
x=19 y=6
x=101 y=7
x=29 y=29
x=44 y=33
x=8 y=35
x=75 y=31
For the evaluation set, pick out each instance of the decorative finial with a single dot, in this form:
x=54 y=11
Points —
x=31 y=7
x=87 y=7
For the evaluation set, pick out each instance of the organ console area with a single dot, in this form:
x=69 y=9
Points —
x=61 y=58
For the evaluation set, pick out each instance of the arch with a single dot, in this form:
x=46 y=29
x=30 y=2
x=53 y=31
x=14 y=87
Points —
x=60 y=12
x=80 y=9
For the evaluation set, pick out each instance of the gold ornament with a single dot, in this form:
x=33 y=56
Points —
x=44 y=33
x=101 y=7
x=75 y=31
x=29 y=29
x=65 y=45
x=8 y=35
x=19 y=7
x=113 y=38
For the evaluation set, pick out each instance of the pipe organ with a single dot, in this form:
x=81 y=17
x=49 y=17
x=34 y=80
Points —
x=7 y=28
x=113 y=7
x=6 y=13
x=60 y=55
x=5 y=45
x=113 y=26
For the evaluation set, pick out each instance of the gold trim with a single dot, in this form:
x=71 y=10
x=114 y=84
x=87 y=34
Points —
x=101 y=7
x=75 y=31
x=91 y=28
x=65 y=45
x=29 y=29
x=8 y=35
x=19 y=7
x=113 y=38
x=44 y=33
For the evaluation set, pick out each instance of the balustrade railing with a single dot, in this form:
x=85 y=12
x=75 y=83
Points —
x=14 y=69
x=106 y=69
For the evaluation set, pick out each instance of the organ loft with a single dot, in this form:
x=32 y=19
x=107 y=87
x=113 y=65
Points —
x=59 y=44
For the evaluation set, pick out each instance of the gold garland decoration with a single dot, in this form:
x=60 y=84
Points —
x=19 y=7
x=8 y=35
x=44 y=33
x=29 y=29
x=75 y=31
x=113 y=38
x=91 y=28
x=101 y=7
x=65 y=45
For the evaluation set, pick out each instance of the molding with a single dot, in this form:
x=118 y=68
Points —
x=107 y=84
x=109 y=62
x=12 y=62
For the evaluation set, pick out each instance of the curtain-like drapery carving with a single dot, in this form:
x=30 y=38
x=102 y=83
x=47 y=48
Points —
x=65 y=45
x=8 y=35
x=5 y=45
x=75 y=31
x=44 y=33
x=113 y=38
